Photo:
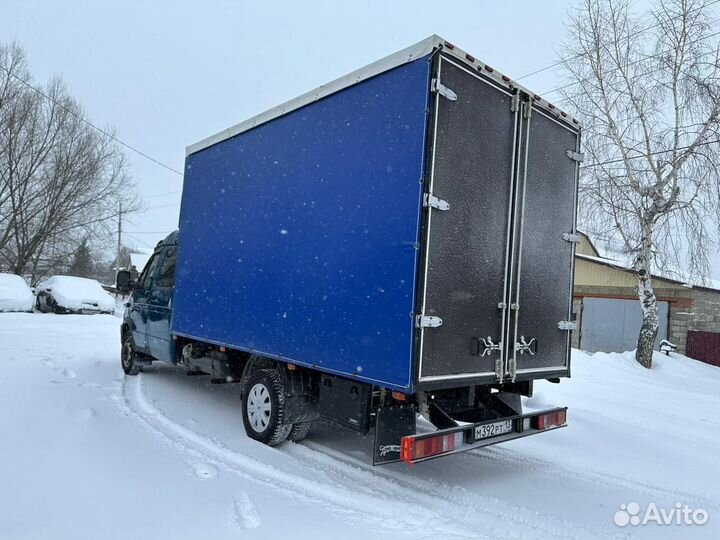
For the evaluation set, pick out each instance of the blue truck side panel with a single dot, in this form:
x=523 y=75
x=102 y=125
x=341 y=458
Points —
x=298 y=238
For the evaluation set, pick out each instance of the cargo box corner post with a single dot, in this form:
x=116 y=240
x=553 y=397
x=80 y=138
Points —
x=397 y=243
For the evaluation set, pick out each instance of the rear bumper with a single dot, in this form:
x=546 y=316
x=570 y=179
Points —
x=444 y=442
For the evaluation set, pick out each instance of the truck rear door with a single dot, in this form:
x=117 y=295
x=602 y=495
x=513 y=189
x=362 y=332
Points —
x=544 y=247
x=497 y=271
x=466 y=252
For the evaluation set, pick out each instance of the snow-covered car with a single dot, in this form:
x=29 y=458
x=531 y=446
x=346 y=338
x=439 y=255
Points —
x=69 y=294
x=15 y=295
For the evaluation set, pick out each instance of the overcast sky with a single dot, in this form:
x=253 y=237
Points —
x=166 y=74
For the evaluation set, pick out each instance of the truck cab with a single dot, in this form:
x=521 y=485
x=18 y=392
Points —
x=145 y=330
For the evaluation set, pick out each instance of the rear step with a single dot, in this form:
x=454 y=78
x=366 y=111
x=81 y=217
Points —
x=417 y=448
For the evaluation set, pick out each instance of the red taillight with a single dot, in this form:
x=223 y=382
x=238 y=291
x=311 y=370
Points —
x=545 y=421
x=412 y=449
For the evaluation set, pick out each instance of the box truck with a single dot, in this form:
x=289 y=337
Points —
x=392 y=252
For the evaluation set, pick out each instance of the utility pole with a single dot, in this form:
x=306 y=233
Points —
x=119 y=243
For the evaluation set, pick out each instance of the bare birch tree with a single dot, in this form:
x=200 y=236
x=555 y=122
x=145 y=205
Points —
x=648 y=92
x=60 y=178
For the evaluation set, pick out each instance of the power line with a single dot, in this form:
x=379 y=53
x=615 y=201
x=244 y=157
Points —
x=163 y=194
x=139 y=240
x=89 y=123
x=560 y=62
x=639 y=60
x=148 y=232
x=621 y=160
x=162 y=206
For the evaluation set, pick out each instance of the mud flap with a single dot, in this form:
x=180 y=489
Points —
x=391 y=425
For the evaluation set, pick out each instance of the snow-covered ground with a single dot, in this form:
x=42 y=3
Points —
x=88 y=454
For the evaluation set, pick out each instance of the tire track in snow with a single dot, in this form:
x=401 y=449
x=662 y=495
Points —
x=377 y=508
x=244 y=514
x=499 y=518
x=504 y=456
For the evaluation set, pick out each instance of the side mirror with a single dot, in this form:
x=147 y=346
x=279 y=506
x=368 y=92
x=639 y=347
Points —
x=123 y=282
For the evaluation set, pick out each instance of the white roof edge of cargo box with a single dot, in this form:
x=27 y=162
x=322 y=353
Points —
x=399 y=58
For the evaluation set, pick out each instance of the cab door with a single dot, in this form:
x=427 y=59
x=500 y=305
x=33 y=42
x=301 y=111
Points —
x=139 y=303
x=159 y=339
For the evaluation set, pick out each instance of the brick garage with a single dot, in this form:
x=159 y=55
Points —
x=692 y=314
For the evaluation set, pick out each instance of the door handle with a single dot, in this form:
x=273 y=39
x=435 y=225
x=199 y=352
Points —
x=486 y=346
x=523 y=346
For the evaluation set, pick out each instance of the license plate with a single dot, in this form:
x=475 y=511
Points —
x=492 y=430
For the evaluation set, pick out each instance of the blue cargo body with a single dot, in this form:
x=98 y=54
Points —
x=299 y=238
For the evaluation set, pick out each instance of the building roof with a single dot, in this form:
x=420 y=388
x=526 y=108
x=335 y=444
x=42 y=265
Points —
x=625 y=267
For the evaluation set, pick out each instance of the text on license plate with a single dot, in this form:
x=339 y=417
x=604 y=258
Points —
x=491 y=430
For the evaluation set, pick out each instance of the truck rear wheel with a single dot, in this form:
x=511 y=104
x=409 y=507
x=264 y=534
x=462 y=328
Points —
x=299 y=431
x=263 y=406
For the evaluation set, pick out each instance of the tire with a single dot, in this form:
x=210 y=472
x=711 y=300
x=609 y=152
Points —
x=128 y=357
x=263 y=402
x=299 y=431
x=54 y=306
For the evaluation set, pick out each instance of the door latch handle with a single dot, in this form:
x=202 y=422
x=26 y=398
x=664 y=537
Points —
x=523 y=346
x=486 y=346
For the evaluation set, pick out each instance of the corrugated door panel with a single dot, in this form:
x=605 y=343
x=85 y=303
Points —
x=613 y=324
x=466 y=253
x=546 y=259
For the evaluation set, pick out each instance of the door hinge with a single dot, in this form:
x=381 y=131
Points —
x=427 y=321
x=435 y=202
x=515 y=103
x=567 y=325
x=443 y=90
x=571 y=237
x=575 y=156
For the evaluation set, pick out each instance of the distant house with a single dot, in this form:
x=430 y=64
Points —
x=607 y=310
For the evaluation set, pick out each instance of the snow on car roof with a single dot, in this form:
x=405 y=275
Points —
x=71 y=292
